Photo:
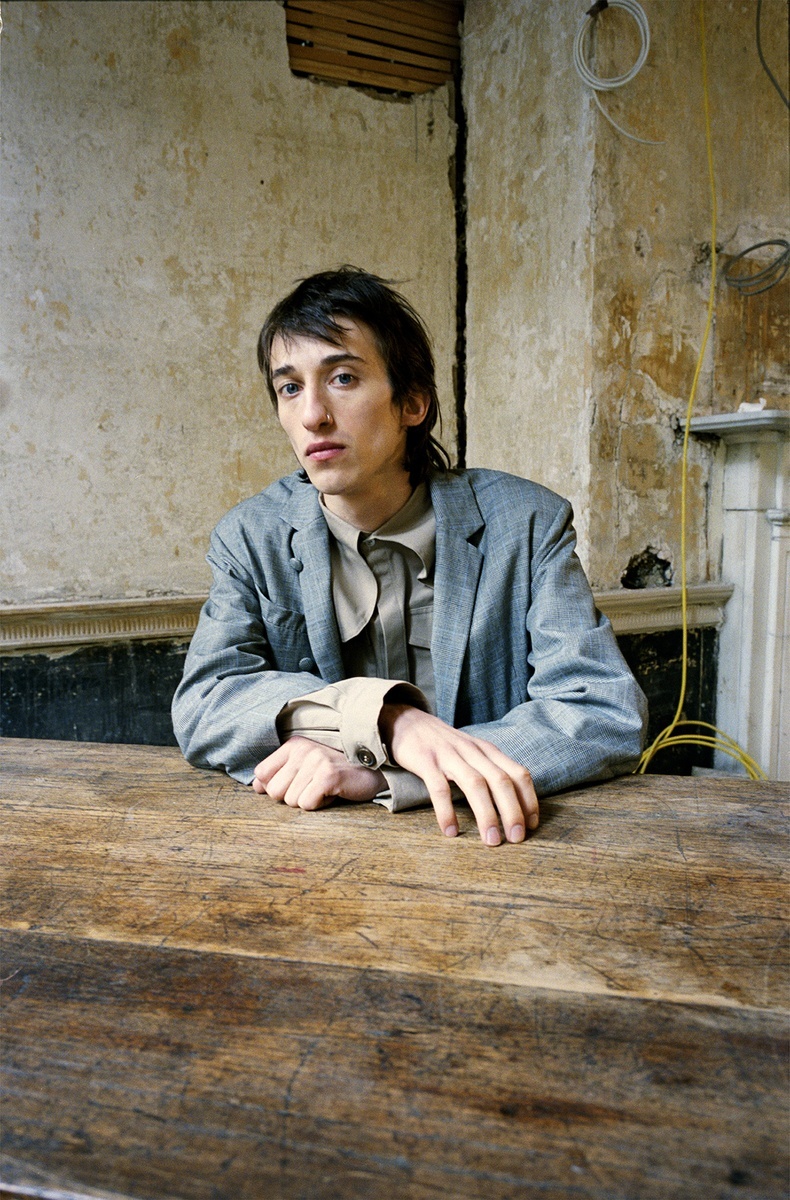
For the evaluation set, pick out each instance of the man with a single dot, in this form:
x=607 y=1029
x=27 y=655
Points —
x=381 y=627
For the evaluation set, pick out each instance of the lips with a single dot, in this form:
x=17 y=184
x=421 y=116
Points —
x=323 y=451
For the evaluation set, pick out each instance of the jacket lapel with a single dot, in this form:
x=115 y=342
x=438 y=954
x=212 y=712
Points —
x=310 y=547
x=456 y=576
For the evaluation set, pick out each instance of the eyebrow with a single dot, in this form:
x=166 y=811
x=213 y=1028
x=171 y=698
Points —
x=329 y=361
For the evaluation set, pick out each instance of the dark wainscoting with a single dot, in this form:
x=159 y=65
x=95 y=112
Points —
x=656 y=660
x=116 y=693
x=122 y=692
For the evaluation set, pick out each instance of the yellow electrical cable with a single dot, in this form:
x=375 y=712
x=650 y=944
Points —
x=722 y=741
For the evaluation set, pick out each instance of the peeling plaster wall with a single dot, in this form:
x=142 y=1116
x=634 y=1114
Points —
x=529 y=317
x=164 y=180
x=652 y=221
x=584 y=341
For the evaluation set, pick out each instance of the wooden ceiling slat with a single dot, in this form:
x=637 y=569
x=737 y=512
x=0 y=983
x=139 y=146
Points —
x=349 y=74
x=441 y=20
x=400 y=45
x=441 y=8
x=455 y=8
x=340 y=41
x=417 y=15
x=361 y=16
x=395 y=70
x=322 y=20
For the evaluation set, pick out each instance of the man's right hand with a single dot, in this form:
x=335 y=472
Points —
x=309 y=775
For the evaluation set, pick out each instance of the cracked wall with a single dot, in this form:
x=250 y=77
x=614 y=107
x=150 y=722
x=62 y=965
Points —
x=165 y=179
x=529 y=317
x=584 y=346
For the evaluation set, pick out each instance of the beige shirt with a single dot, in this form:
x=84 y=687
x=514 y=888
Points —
x=382 y=591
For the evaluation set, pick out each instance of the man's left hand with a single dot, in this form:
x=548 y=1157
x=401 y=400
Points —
x=496 y=787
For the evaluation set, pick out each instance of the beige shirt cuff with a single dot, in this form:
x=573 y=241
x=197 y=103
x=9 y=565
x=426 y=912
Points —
x=345 y=715
x=404 y=790
x=407 y=790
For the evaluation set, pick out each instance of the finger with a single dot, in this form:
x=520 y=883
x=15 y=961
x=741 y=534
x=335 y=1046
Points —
x=274 y=781
x=311 y=803
x=272 y=763
x=309 y=794
x=517 y=808
x=277 y=787
x=293 y=751
x=526 y=797
x=508 y=803
x=442 y=801
x=512 y=791
x=477 y=792
x=488 y=790
x=314 y=785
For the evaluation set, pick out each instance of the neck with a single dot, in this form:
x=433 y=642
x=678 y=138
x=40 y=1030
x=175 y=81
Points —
x=370 y=511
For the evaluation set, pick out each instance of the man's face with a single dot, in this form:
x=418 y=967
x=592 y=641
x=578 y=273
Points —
x=335 y=404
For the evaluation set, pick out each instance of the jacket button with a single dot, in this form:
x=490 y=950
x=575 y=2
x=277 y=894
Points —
x=297 y=564
x=366 y=757
x=306 y=664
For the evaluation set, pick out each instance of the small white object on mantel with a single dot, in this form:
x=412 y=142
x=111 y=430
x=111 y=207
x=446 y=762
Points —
x=753 y=694
x=752 y=405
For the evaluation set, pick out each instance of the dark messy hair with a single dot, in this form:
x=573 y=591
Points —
x=312 y=309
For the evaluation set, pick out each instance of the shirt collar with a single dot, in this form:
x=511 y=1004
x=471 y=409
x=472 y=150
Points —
x=413 y=526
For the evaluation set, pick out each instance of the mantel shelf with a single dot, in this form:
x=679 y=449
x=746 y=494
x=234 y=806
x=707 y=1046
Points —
x=741 y=425
x=45 y=626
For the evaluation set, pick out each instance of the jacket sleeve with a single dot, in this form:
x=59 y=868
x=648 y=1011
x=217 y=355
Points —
x=586 y=715
x=225 y=708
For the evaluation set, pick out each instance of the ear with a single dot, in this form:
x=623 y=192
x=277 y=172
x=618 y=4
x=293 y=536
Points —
x=414 y=409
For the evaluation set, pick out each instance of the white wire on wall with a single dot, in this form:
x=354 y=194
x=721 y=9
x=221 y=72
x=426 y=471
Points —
x=595 y=82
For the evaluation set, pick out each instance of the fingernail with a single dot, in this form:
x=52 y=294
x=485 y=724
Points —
x=516 y=833
x=451 y=831
x=492 y=836
x=533 y=821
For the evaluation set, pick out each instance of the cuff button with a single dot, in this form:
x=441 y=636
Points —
x=366 y=757
x=306 y=664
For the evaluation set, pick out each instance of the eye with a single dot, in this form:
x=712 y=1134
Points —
x=344 y=378
x=289 y=389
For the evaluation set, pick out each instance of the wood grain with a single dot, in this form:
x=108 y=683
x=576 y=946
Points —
x=313 y=58
x=339 y=41
x=206 y=994
x=398 y=47
x=668 y=888
x=321 y=20
x=206 y=1075
x=376 y=17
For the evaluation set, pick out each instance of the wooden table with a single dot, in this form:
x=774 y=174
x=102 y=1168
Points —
x=209 y=995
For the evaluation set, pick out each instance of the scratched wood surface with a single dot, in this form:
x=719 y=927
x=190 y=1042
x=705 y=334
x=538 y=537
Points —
x=633 y=887
x=207 y=994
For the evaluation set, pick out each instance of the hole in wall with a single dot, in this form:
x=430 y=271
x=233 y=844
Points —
x=647 y=569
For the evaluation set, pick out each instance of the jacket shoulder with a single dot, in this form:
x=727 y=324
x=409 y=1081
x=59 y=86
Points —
x=262 y=510
x=500 y=493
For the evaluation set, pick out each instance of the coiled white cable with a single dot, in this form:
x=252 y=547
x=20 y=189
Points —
x=595 y=82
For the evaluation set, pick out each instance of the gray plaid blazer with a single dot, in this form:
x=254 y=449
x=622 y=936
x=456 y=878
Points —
x=521 y=656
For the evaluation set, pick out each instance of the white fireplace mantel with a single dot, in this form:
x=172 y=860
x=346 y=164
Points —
x=753 y=698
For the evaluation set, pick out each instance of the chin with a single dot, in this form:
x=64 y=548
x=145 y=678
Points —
x=324 y=480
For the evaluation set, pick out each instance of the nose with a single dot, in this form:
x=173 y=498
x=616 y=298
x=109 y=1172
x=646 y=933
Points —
x=315 y=411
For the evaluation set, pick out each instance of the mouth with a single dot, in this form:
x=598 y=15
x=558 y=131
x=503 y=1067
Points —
x=323 y=451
